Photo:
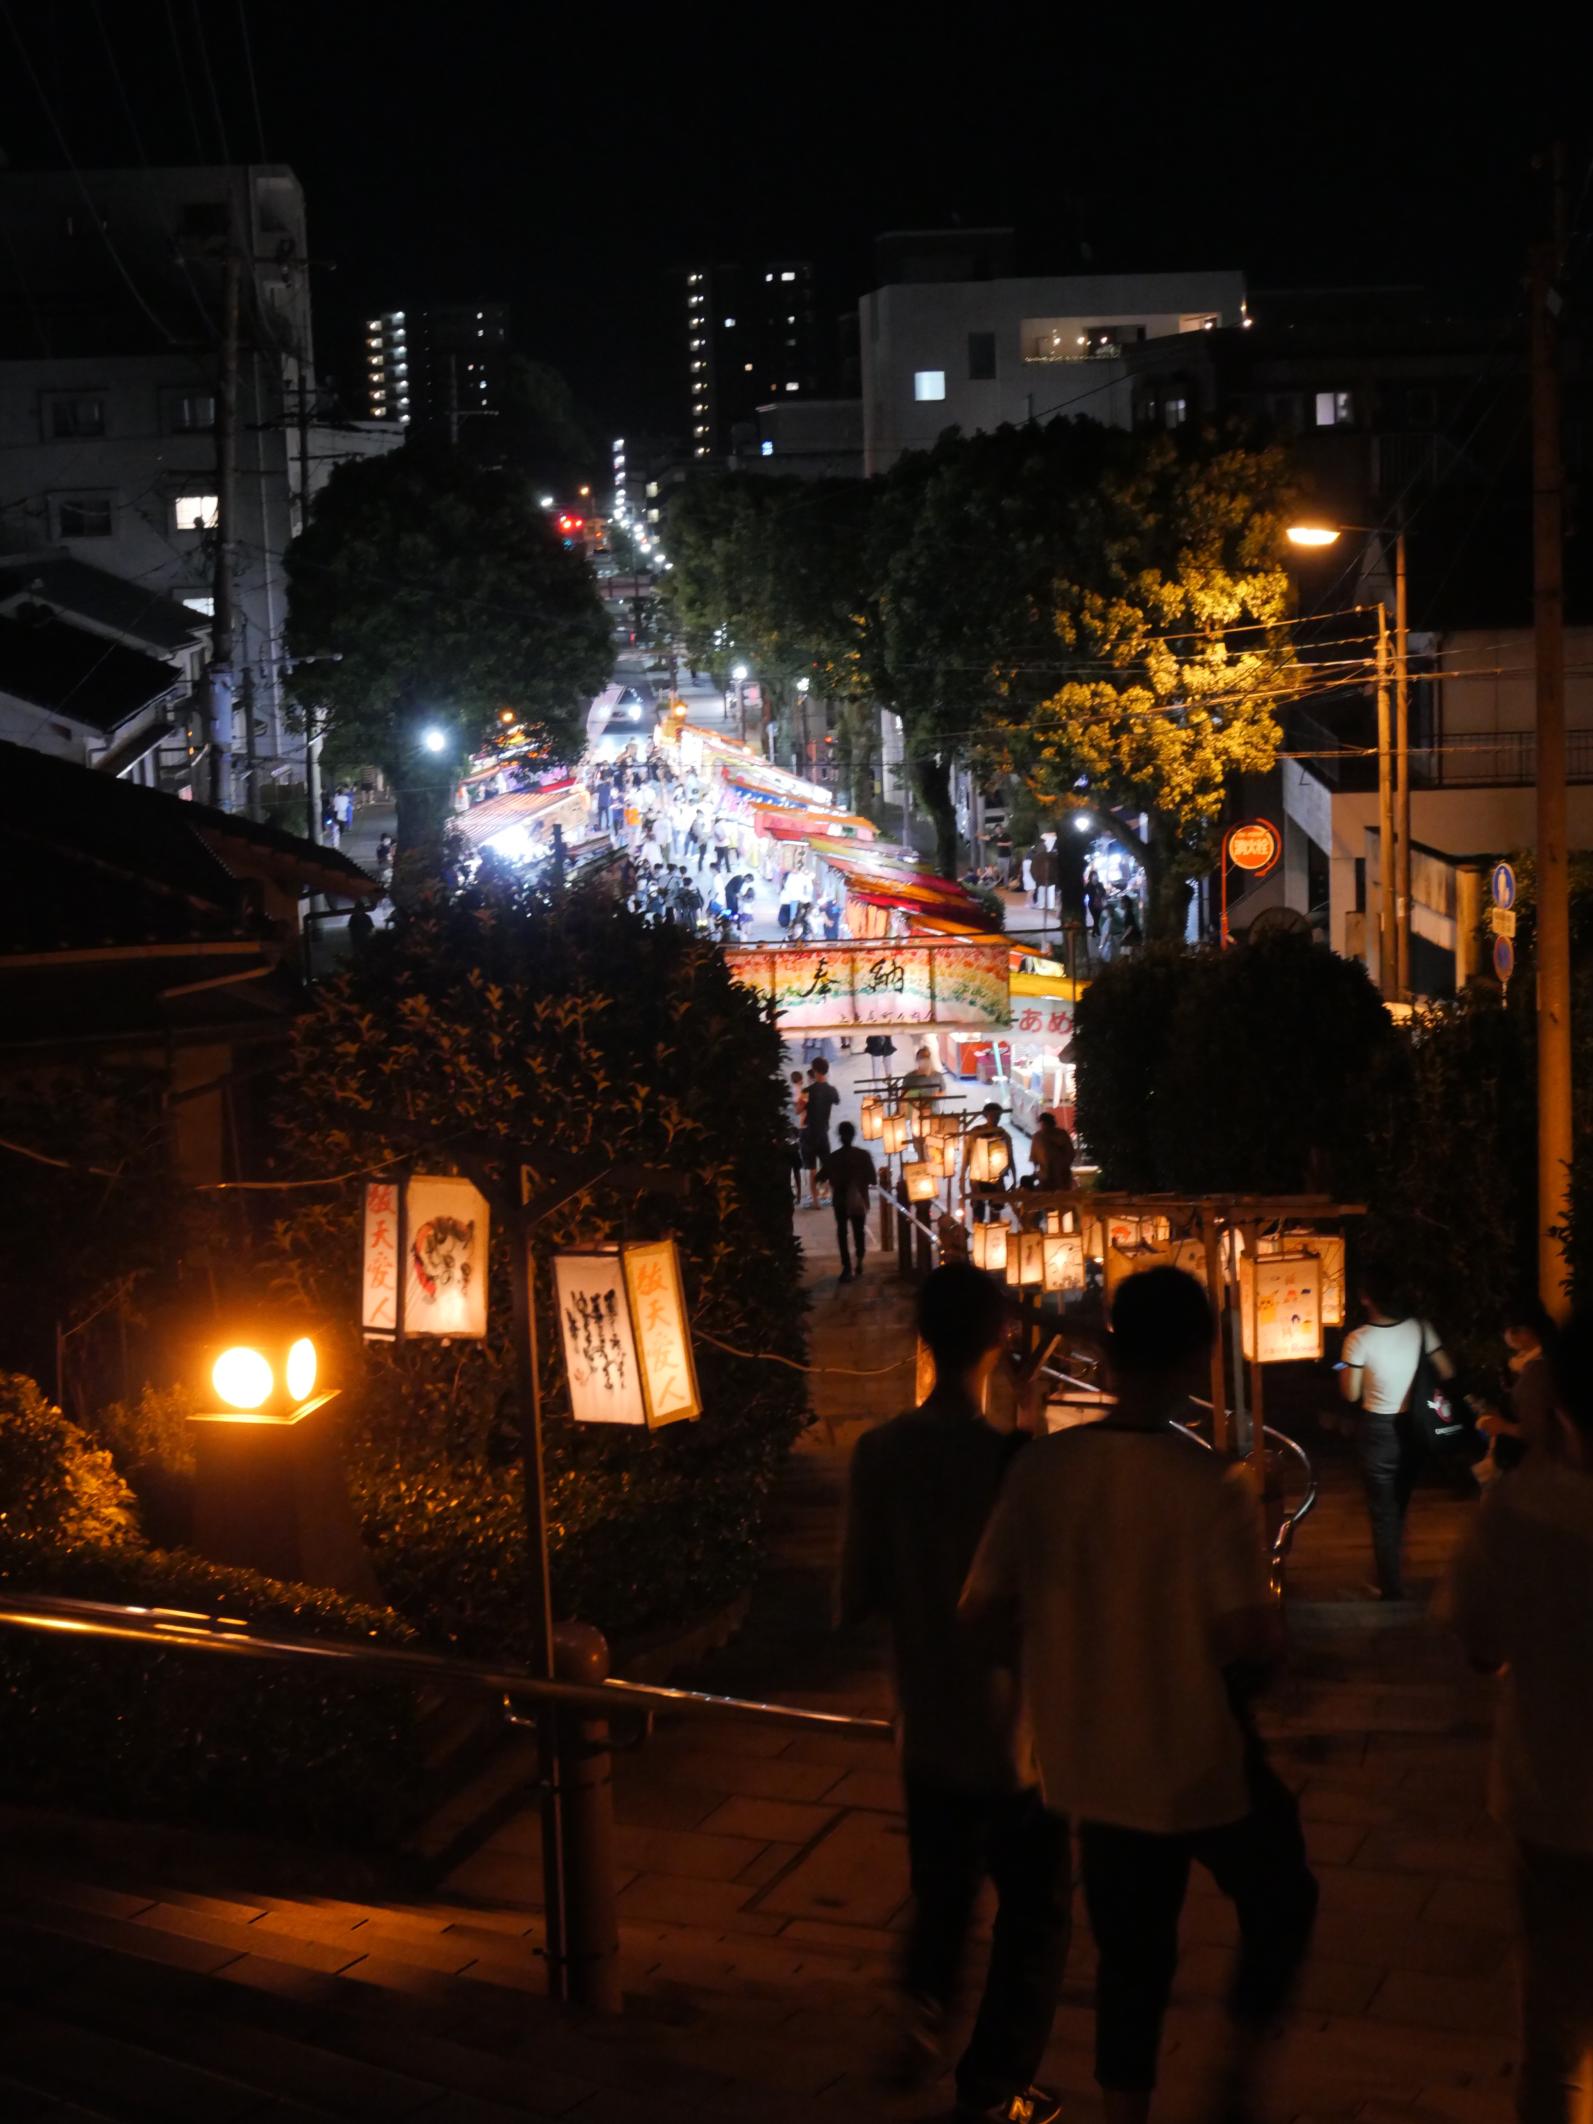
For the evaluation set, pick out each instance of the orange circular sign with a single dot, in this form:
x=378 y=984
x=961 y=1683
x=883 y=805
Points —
x=1253 y=847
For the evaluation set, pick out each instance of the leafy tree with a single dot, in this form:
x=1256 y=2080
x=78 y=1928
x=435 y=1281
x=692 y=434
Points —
x=770 y=572
x=432 y=592
x=555 y=1032
x=1170 y=612
x=538 y=430
x=966 y=543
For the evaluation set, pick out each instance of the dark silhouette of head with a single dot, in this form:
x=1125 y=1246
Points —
x=962 y=1318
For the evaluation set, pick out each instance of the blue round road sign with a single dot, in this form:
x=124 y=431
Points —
x=1502 y=885
x=1504 y=957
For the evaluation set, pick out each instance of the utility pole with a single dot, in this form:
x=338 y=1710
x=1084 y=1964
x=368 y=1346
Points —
x=1553 y=894
x=1402 y=898
x=1387 y=949
x=222 y=676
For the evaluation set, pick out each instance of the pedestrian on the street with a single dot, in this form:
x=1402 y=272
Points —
x=1527 y=1426
x=604 y=793
x=1132 y=1558
x=1051 y=1154
x=1380 y=1369
x=988 y=1196
x=1521 y=1597
x=1004 y=856
x=923 y=1081
x=799 y=1111
x=823 y=1099
x=921 y=1491
x=849 y=1171
x=384 y=859
x=360 y=928
x=721 y=841
x=650 y=855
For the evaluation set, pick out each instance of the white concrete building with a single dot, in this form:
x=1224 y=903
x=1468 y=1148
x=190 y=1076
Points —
x=973 y=354
x=111 y=330
x=1473 y=799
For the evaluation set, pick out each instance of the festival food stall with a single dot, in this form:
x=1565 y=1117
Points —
x=1041 y=1075
x=519 y=827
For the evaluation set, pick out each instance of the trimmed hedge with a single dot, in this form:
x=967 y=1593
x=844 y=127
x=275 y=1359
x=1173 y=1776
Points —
x=195 y=1736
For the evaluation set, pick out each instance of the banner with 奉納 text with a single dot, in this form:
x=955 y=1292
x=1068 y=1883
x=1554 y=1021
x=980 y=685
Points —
x=815 y=985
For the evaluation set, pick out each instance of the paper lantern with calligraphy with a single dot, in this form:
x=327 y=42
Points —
x=944 y=1153
x=893 y=1134
x=988 y=1159
x=627 y=1342
x=1280 y=1307
x=990 y=1247
x=1063 y=1256
x=922 y=1184
x=1026 y=1259
x=441 y=1282
x=871 y=1120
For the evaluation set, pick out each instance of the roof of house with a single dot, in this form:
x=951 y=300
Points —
x=75 y=587
x=105 y=864
x=86 y=677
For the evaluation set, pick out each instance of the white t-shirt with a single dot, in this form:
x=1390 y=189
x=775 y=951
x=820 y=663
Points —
x=1122 y=1551
x=1387 y=1357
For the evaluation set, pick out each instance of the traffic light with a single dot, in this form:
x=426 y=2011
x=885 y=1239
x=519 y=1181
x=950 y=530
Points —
x=572 y=529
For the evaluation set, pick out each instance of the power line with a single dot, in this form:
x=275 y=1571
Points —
x=182 y=76
x=210 y=80
x=254 y=91
x=94 y=214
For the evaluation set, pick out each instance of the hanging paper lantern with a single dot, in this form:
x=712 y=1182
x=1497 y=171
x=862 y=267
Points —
x=942 y=1154
x=1026 y=1259
x=1064 y=1261
x=990 y=1247
x=627 y=1340
x=871 y=1120
x=893 y=1134
x=987 y=1159
x=922 y=1184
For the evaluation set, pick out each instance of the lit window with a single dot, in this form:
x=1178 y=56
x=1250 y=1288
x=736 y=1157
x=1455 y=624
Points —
x=479 y=315
x=83 y=516
x=1175 y=412
x=793 y=387
x=196 y=512
x=373 y=324
x=1335 y=409
x=403 y=420
x=929 y=385
x=766 y=449
x=730 y=324
x=398 y=317
x=193 y=412
x=203 y=605
x=788 y=276
x=746 y=368
x=768 y=277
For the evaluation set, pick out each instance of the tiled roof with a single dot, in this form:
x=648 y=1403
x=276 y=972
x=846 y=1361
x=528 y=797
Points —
x=74 y=587
x=86 y=677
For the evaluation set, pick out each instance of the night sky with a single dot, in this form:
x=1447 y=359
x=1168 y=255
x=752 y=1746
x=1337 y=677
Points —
x=570 y=159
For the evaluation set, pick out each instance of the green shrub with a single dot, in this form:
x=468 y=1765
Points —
x=196 y=1736
x=53 y=1482
x=1269 y=1069
x=151 y=1444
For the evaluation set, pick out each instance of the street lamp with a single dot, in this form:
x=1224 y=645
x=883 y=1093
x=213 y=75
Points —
x=433 y=739
x=1393 y=791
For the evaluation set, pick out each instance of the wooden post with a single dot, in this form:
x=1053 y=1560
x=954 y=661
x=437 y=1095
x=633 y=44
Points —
x=1257 y=1400
x=904 y=1230
x=1217 y=1291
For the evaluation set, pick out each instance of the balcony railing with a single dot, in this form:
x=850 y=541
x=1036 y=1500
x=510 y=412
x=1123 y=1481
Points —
x=1506 y=757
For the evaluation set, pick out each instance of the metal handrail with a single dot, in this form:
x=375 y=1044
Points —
x=173 y=1629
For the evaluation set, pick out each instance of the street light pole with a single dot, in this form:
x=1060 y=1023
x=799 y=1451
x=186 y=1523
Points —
x=1387 y=949
x=1402 y=899
x=1553 y=941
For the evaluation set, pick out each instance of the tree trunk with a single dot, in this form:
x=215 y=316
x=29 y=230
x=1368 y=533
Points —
x=1166 y=886
x=422 y=815
x=932 y=775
